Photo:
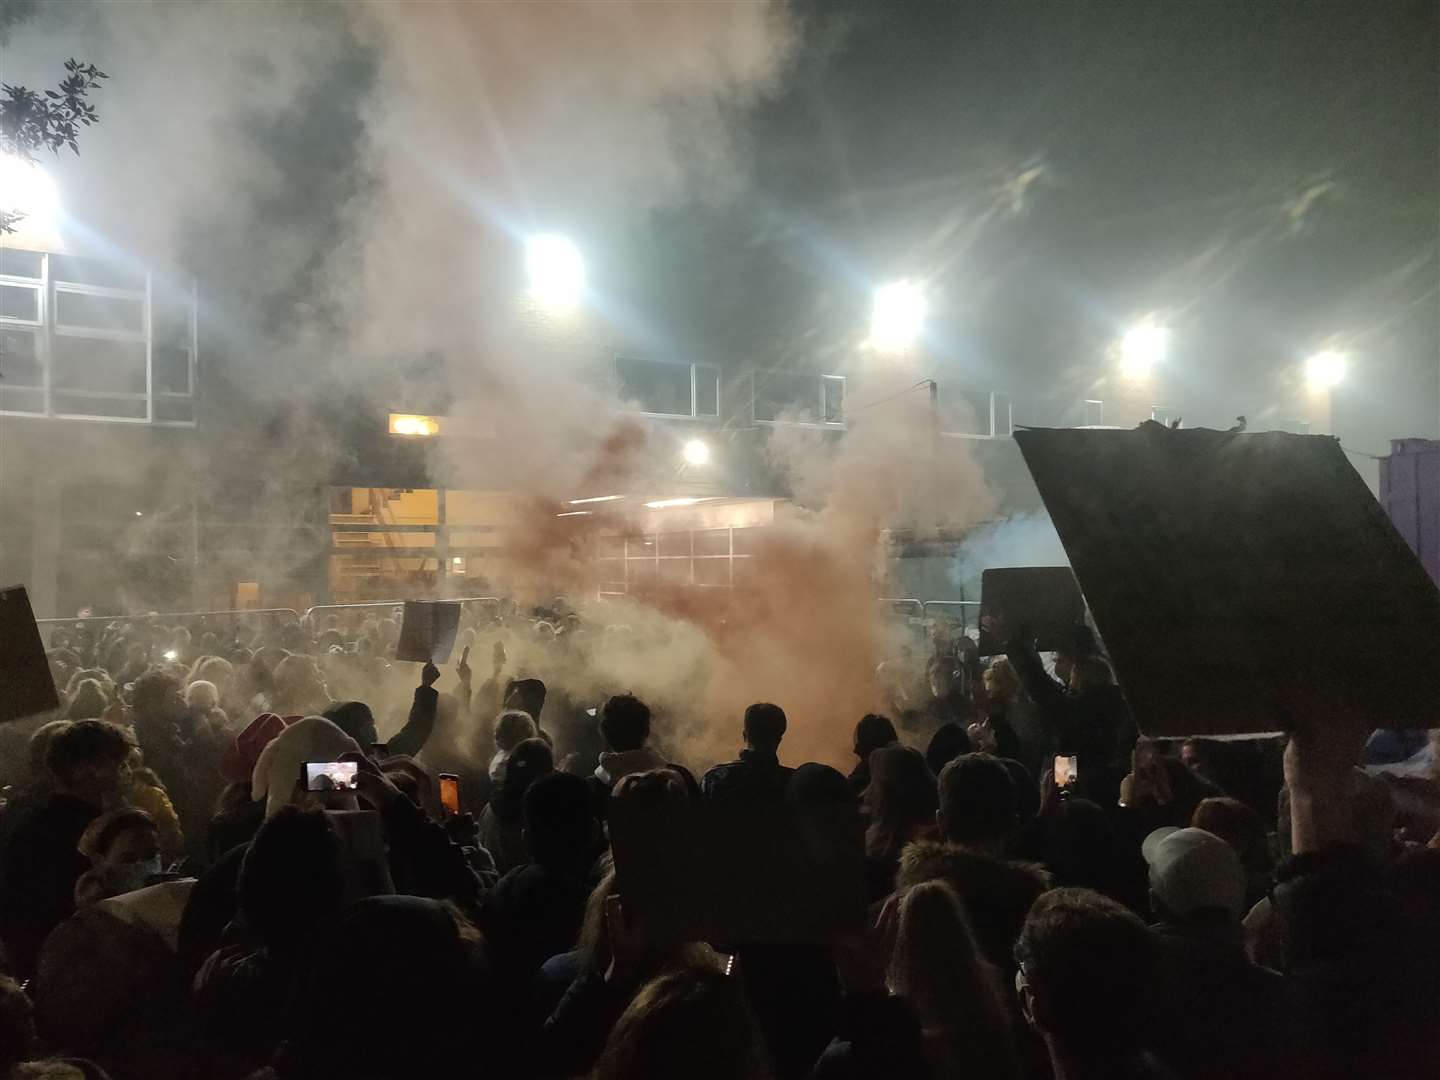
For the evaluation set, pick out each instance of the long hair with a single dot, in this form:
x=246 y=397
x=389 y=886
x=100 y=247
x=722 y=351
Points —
x=693 y=1023
x=593 y=944
x=955 y=991
x=902 y=797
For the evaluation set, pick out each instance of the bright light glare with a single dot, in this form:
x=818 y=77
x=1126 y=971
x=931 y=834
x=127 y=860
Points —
x=1325 y=370
x=556 y=271
x=595 y=499
x=897 y=316
x=665 y=504
x=697 y=452
x=574 y=513
x=27 y=189
x=1142 y=347
x=171 y=654
x=407 y=424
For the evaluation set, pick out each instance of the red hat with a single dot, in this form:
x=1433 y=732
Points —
x=237 y=763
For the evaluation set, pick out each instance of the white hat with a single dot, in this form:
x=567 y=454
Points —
x=277 y=769
x=1191 y=869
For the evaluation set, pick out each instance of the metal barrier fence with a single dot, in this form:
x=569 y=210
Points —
x=326 y=609
x=161 y=616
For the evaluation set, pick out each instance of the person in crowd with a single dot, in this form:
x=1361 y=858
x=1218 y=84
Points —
x=1219 y=1013
x=220 y=673
x=625 y=727
x=958 y=996
x=872 y=731
x=356 y=720
x=1009 y=710
x=977 y=821
x=1242 y=828
x=123 y=847
x=758 y=775
x=949 y=742
x=1159 y=790
x=289 y=889
x=430 y=1005
x=501 y=822
x=1086 y=970
x=202 y=701
x=144 y=791
x=184 y=755
x=88 y=702
x=694 y=1023
x=534 y=912
x=40 y=858
x=512 y=727
x=1085 y=709
x=1077 y=843
x=237 y=814
x=901 y=802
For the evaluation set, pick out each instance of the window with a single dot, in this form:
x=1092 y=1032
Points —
x=20 y=358
x=91 y=311
x=1094 y=412
x=707 y=390
x=15 y=262
x=98 y=365
x=656 y=386
x=20 y=302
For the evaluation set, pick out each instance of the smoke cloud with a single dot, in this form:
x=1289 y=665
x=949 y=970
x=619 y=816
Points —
x=1018 y=540
x=352 y=184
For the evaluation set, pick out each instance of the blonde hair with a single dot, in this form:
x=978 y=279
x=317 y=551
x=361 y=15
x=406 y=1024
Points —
x=214 y=669
x=938 y=967
x=202 y=695
x=512 y=727
x=1000 y=679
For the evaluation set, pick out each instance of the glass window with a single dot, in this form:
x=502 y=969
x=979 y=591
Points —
x=707 y=390
x=19 y=358
x=20 y=263
x=20 y=302
x=712 y=571
x=81 y=271
x=22 y=399
x=786 y=395
x=92 y=364
x=712 y=542
x=77 y=404
x=655 y=386
x=172 y=369
x=88 y=312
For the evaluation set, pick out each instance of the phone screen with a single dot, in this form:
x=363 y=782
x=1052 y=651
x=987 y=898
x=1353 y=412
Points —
x=450 y=793
x=1067 y=770
x=330 y=775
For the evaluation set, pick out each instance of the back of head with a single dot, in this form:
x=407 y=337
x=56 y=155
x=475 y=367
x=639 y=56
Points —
x=872 y=732
x=399 y=988
x=654 y=789
x=816 y=785
x=202 y=696
x=902 y=791
x=560 y=820
x=39 y=749
x=101 y=834
x=977 y=800
x=155 y=695
x=291 y=881
x=1239 y=826
x=1088 y=968
x=512 y=727
x=939 y=968
x=530 y=760
x=355 y=718
x=83 y=745
x=1092 y=673
x=949 y=742
x=693 y=1023
x=625 y=723
x=89 y=702
x=764 y=725
x=527 y=695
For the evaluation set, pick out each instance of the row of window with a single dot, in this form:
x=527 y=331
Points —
x=91 y=339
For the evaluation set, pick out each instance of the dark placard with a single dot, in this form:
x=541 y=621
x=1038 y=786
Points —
x=733 y=874
x=1044 y=601
x=427 y=631
x=1242 y=583
x=26 y=686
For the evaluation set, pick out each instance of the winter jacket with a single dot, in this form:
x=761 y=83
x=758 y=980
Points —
x=757 y=777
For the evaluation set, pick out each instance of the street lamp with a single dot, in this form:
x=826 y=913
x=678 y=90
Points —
x=1142 y=347
x=696 y=452
x=1325 y=370
x=556 y=271
x=897 y=316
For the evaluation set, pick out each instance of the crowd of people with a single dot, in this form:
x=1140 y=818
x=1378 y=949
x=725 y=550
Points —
x=1046 y=893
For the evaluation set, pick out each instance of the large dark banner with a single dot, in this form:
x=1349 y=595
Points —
x=1241 y=582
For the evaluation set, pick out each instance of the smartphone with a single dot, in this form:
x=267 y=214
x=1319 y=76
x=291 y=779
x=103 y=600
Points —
x=330 y=775
x=450 y=793
x=1067 y=770
x=379 y=750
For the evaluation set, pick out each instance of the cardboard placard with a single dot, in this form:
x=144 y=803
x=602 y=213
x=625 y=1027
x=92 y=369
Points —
x=733 y=874
x=26 y=686
x=1043 y=599
x=428 y=630
x=1242 y=583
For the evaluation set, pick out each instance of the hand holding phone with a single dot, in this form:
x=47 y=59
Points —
x=462 y=669
x=330 y=775
x=450 y=793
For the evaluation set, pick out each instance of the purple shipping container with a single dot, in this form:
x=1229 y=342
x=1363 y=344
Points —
x=1410 y=493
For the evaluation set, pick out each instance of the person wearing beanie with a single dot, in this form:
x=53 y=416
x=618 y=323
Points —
x=1219 y=1011
x=277 y=769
